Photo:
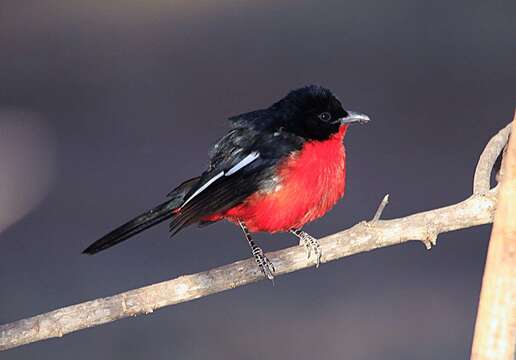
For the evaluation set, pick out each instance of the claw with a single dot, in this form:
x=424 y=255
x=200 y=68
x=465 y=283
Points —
x=265 y=265
x=311 y=244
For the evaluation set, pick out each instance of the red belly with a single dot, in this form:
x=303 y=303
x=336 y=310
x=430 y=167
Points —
x=311 y=182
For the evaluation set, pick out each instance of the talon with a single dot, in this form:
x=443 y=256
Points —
x=311 y=244
x=265 y=265
x=318 y=260
x=271 y=265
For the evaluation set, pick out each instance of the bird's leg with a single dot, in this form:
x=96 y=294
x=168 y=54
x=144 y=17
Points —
x=264 y=264
x=310 y=243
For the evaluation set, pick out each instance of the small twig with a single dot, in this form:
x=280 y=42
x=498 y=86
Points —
x=380 y=209
x=482 y=179
x=425 y=226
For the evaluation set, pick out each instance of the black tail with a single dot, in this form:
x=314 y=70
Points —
x=140 y=223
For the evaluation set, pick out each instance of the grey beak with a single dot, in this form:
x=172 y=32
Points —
x=354 y=117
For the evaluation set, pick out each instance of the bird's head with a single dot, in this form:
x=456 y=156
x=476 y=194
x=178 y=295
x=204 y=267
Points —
x=314 y=113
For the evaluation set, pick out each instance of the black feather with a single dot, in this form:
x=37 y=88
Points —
x=229 y=191
x=144 y=221
x=150 y=218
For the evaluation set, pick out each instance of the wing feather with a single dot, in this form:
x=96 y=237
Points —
x=242 y=162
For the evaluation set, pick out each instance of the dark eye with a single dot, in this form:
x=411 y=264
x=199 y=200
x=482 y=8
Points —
x=325 y=116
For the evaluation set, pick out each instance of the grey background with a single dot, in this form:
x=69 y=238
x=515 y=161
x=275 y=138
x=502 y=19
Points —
x=126 y=98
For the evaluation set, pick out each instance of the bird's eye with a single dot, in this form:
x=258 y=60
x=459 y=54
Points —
x=325 y=116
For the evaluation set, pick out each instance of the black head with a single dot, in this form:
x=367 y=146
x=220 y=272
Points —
x=313 y=112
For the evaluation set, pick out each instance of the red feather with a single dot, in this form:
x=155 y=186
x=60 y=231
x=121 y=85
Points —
x=311 y=181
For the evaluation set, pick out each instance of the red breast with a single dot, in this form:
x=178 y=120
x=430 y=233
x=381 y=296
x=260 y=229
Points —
x=310 y=182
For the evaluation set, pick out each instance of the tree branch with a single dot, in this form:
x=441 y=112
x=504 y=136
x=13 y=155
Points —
x=482 y=178
x=365 y=236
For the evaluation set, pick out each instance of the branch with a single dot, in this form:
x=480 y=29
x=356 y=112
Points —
x=495 y=329
x=365 y=236
x=482 y=179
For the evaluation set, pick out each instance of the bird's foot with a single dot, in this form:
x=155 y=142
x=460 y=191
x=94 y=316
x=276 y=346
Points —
x=264 y=263
x=311 y=245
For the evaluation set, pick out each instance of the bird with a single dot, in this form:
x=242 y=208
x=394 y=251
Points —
x=275 y=170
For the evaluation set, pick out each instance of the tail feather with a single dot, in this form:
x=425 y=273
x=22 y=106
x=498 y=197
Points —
x=144 y=221
x=140 y=223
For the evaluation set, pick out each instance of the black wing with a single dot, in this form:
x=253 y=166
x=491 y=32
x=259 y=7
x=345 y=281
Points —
x=242 y=162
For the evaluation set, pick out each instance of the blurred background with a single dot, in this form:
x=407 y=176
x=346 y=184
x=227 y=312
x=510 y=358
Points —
x=105 y=106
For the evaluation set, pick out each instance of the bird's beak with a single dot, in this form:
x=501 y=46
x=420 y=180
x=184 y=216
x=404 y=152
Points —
x=354 y=117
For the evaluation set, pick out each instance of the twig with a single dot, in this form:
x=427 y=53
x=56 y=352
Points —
x=495 y=329
x=425 y=227
x=482 y=179
x=381 y=207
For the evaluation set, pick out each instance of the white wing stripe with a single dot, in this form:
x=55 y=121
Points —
x=202 y=188
x=244 y=162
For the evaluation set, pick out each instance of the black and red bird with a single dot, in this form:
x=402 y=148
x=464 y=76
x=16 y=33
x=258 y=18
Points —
x=275 y=170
